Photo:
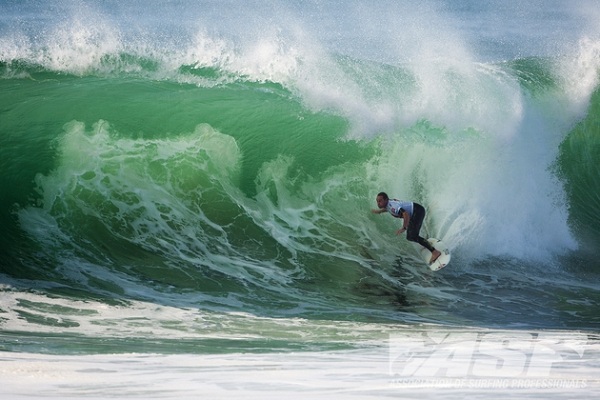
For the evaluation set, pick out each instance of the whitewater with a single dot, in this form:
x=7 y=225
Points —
x=187 y=186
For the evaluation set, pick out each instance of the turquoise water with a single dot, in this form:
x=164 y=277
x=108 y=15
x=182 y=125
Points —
x=197 y=177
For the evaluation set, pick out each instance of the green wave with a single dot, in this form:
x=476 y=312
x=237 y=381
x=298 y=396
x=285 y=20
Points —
x=255 y=194
x=579 y=165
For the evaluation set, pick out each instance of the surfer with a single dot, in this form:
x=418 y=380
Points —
x=413 y=215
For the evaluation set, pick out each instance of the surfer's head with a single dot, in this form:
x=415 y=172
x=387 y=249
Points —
x=382 y=200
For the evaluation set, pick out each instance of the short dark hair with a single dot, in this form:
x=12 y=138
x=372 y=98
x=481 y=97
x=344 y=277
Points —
x=384 y=195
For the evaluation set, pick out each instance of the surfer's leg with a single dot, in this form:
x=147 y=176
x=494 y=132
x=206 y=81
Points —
x=414 y=227
x=435 y=253
x=423 y=242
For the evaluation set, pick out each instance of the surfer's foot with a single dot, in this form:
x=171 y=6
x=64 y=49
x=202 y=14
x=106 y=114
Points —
x=434 y=256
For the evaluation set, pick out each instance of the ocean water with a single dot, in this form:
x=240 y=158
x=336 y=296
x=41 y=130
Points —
x=187 y=185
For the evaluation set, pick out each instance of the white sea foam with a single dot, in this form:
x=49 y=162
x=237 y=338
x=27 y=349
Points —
x=413 y=364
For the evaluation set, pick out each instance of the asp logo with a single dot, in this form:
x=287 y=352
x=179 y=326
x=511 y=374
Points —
x=462 y=354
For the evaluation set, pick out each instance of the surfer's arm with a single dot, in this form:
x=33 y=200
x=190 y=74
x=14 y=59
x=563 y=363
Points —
x=405 y=218
x=378 y=210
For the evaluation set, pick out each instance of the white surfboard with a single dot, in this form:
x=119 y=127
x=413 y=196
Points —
x=442 y=260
